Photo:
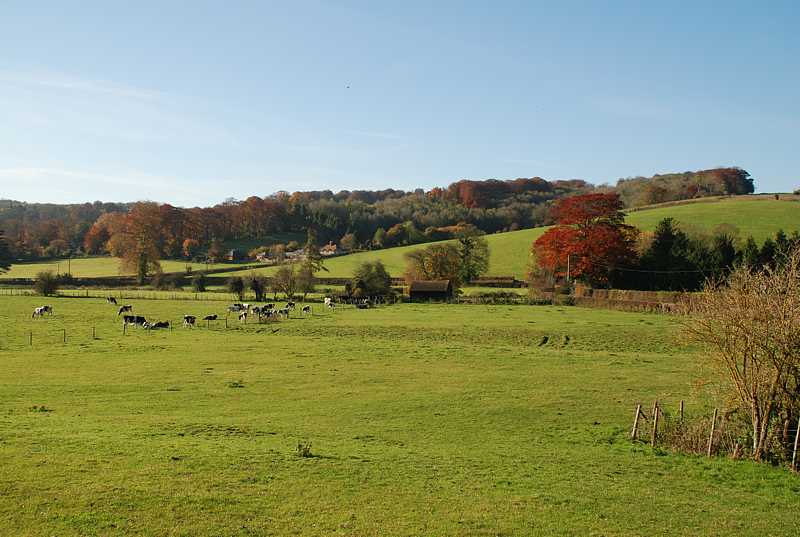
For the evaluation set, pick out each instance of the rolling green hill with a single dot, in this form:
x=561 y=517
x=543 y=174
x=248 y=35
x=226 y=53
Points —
x=760 y=216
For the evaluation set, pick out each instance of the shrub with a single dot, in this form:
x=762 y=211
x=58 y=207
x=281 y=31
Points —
x=235 y=285
x=199 y=283
x=257 y=284
x=46 y=284
x=167 y=281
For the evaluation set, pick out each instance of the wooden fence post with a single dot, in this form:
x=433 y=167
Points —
x=30 y=337
x=94 y=333
x=64 y=335
x=794 y=450
x=711 y=436
x=124 y=327
x=681 y=410
x=656 y=411
x=636 y=421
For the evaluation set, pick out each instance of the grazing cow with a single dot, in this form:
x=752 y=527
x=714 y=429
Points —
x=127 y=308
x=307 y=309
x=233 y=308
x=283 y=312
x=243 y=316
x=156 y=325
x=362 y=306
x=210 y=317
x=111 y=300
x=289 y=306
x=328 y=301
x=41 y=310
x=189 y=321
x=256 y=310
x=268 y=307
x=136 y=320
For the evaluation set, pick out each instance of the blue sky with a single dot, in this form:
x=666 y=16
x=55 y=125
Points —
x=194 y=102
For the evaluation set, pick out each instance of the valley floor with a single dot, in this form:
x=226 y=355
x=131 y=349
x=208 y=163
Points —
x=421 y=420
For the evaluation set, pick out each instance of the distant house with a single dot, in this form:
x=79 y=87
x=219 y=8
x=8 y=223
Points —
x=430 y=290
x=328 y=250
x=233 y=255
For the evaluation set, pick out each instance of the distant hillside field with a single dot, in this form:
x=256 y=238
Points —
x=757 y=216
x=760 y=216
x=94 y=267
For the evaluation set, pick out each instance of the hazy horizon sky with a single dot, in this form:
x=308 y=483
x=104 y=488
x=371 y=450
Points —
x=194 y=102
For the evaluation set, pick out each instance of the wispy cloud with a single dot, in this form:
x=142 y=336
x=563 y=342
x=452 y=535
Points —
x=61 y=185
x=76 y=84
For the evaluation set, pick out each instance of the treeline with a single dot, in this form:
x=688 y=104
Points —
x=354 y=219
x=592 y=243
x=638 y=191
x=672 y=259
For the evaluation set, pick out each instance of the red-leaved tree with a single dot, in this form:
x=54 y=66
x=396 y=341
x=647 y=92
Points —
x=590 y=237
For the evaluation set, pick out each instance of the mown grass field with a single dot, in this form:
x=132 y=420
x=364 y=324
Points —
x=91 y=267
x=423 y=420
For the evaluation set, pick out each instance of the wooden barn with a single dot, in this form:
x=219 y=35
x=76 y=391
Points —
x=430 y=290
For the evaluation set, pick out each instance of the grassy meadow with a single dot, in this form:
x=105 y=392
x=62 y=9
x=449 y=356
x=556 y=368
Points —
x=422 y=419
x=92 y=267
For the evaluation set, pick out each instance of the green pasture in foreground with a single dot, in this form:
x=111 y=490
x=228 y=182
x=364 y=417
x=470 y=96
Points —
x=422 y=420
x=760 y=217
x=92 y=267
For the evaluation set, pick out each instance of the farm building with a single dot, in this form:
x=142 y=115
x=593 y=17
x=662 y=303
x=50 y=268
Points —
x=328 y=250
x=430 y=290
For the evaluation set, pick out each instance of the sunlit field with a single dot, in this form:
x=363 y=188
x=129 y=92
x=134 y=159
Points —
x=421 y=420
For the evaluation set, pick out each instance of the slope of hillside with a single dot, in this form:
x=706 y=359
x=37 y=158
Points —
x=757 y=216
x=760 y=216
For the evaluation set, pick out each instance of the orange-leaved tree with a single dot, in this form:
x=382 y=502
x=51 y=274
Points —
x=590 y=237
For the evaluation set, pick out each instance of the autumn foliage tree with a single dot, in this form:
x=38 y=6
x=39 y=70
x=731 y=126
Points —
x=436 y=262
x=590 y=237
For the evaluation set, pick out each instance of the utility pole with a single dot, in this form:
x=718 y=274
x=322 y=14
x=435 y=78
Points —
x=568 y=256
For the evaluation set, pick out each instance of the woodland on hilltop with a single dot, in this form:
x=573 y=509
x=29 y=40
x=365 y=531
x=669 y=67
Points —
x=355 y=219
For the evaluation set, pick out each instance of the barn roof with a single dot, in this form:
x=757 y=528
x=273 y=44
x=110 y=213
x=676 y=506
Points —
x=442 y=286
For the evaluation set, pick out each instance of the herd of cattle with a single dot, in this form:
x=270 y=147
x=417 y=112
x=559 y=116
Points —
x=266 y=312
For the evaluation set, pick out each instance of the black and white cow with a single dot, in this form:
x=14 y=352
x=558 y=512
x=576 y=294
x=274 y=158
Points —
x=189 y=321
x=307 y=309
x=156 y=325
x=41 y=310
x=289 y=306
x=210 y=317
x=127 y=308
x=243 y=316
x=136 y=320
x=283 y=313
x=234 y=308
x=111 y=300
